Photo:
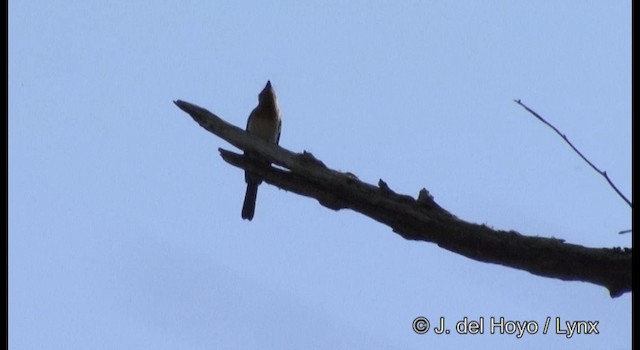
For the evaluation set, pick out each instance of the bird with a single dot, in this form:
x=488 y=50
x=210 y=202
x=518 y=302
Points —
x=264 y=122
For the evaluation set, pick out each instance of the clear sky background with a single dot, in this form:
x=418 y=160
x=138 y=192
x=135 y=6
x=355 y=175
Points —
x=124 y=222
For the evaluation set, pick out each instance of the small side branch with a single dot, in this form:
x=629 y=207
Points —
x=420 y=219
x=564 y=137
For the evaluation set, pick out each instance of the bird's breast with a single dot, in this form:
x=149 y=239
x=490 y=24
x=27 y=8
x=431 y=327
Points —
x=264 y=128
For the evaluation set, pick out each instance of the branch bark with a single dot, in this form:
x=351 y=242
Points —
x=420 y=219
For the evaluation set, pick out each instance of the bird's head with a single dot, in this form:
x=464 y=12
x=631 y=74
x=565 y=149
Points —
x=267 y=95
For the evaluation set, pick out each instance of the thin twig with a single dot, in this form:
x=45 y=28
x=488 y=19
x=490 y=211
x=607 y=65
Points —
x=564 y=137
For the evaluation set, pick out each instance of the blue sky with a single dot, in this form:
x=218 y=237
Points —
x=124 y=223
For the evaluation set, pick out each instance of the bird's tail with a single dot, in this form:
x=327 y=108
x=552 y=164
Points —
x=249 y=206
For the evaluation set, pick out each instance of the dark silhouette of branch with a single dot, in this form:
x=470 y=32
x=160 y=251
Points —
x=564 y=137
x=420 y=219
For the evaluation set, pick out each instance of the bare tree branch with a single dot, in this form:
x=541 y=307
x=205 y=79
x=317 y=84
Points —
x=420 y=219
x=564 y=137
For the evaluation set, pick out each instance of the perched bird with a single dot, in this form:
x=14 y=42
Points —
x=264 y=122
